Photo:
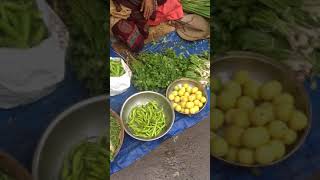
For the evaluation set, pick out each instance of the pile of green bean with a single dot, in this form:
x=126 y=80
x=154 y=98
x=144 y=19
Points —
x=115 y=129
x=147 y=121
x=5 y=176
x=88 y=160
x=116 y=68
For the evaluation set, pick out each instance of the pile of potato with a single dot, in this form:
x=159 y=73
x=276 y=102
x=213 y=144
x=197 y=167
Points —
x=252 y=122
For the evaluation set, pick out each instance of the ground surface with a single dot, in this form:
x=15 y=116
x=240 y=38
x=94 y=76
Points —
x=184 y=157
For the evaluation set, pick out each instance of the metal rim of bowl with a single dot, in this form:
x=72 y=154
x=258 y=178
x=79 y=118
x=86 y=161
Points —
x=155 y=138
x=199 y=85
x=299 y=86
x=121 y=135
x=48 y=131
x=15 y=169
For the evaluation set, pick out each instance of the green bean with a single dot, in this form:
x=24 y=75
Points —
x=116 y=68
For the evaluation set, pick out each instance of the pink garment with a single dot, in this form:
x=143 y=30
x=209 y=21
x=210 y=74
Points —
x=170 y=10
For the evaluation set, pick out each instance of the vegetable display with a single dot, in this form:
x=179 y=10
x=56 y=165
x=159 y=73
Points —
x=21 y=25
x=116 y=69
x=147 y=121
x=252 y=122
x=5 y=176
x=200 y=7
x=155 y=71
x=87 y=160
x=187 y=99
x=280 y=29
x=115 y=129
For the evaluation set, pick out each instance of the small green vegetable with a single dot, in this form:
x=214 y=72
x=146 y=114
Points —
x=115 y=129
x=147 y=121
x=116 y=69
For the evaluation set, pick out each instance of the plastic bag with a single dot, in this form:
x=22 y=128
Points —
x=120 y=84
x=26 y=75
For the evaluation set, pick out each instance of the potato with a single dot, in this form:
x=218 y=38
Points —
x=217 y=119
x=265 y=154
x=233 y=135
x=261 y=116
x=219 y=146
x=298 y=120
x=290 y=136
x=284 y=98
x=270 y=89
x=240 y=118
x=277 y=129
x=226 y=100
x=278 y=148
x=241 y=77
x=245 y=102
x=232 y=154
x=254 y=137
x=251 y=88
x=246 y=156
x=233 y=87
x=229 y=116
x=283 y=111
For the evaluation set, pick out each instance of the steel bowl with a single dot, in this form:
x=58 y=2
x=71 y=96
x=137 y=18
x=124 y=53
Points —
x=13 y=168
x=121 y=135
x=142 y=98
x=86 y=119
x=262 y=69
x=192 y=83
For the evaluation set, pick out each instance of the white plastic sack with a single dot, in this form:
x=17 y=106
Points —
x=26 y=75
x=120 y=84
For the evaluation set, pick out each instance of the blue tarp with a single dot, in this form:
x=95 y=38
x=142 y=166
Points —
x=132 y=149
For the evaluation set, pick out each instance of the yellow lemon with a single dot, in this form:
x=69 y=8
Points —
x=189 y=89
x=203 y=100
x=196 y=102
x=200 y=104
x=183 y=104
x=199 y=96
x=186 y=111
x=177 y=88
x=181 y=93
x=182 y=110
x=175 y=93
x=194 y=90
x=174 y=105
x=192 y=98
x=184 y=99
x=192 y=111
x=177 y=99
x=186 y=85
x=189 y=105
x=196 y=108
x=178 y=108
x=187 y=93
x=198 y=93
x=183 y=89
x=171 y=97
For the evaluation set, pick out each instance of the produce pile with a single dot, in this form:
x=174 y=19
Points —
x=116 y=69
x=147 y=121
x=21 y=24
x=254 y=123
x=200 y=7
x=155 y=71
x=280 y=29
x=5 y=176
x=115 y=130
x=187 y=99
x=87 y=160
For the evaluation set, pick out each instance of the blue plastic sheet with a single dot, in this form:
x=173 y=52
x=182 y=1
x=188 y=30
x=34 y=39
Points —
x=300 y=166
x=132 y=149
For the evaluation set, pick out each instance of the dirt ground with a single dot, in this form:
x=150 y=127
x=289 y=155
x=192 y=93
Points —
x=184 y=157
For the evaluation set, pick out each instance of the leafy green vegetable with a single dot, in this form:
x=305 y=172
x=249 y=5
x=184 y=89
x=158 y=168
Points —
x=115 y=129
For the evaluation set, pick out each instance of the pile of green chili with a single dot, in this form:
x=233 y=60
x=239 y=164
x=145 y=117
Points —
x=116 y=68
x=5 y=176
x=115 y=129
x=87 y=160
x=147 y=121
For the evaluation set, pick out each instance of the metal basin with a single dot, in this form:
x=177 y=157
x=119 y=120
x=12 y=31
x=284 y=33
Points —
x=262 y=69
x=143 y=98
x=83 y=120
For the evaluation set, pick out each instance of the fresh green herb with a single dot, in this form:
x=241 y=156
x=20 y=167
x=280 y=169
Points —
x=116 y=69
x=87 y=160
x=147 y=121
x=115 y=129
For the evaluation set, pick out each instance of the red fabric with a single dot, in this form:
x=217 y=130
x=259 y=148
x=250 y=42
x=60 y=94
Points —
x=170 y=10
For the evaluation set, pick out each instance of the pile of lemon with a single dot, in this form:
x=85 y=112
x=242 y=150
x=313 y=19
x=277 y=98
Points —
x=252 y=122
x=187 y=99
